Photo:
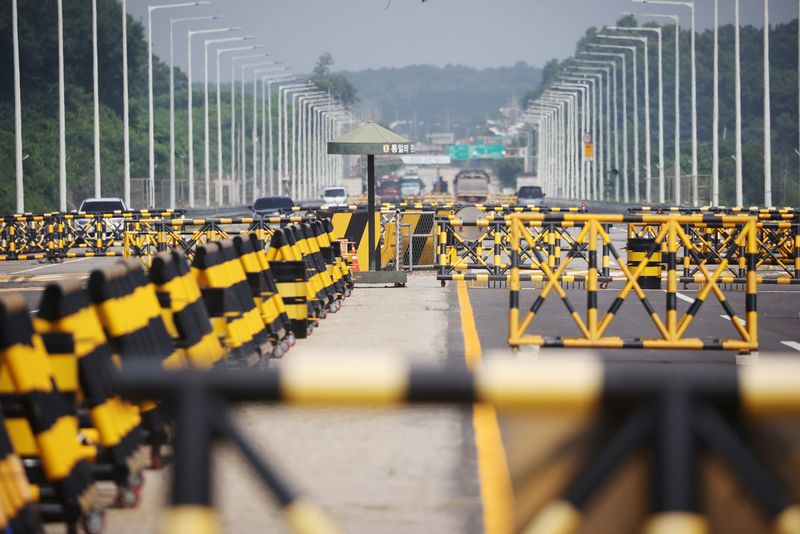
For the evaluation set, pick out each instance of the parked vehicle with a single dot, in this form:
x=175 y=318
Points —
x=113 y=226
x=334 y=196
x=530 y=195
x=411 y=186
x=528 y=179
x=389 y=189
x=472 y=186
x=271 y=206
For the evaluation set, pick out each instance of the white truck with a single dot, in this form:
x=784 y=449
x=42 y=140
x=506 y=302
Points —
x=472 y=186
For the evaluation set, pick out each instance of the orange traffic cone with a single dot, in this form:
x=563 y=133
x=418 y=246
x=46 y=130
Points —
x=354 y=263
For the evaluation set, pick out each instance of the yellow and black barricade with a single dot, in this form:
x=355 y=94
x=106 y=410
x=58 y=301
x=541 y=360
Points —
x=291 y=280
x=265 y=293
x=184 y=311
x=39 y=421
x=85 y=372
x=672 y=331
x=228 y=297
x=18 y=512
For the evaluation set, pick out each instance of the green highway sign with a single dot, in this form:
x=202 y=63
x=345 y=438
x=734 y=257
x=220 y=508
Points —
x=480 y=151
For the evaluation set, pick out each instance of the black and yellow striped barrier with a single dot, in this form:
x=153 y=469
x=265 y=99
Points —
x=136 y=337
x=38 y=418
x=184 y=312
x=230 y=302
x=55 y=236
x=666 y=408
x=17 y=498
x=84 y=371
x=594 y=327
x=265 y=293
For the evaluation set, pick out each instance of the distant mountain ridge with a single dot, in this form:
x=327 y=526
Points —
x=467 y=94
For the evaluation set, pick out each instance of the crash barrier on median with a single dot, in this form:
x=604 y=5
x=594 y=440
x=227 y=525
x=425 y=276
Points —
x=664 y=410
x=55 y=236
x=777 y=242
x=62 y=409
x=594 y=330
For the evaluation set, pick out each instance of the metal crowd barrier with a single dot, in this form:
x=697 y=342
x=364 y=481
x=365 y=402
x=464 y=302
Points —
x=777 y=242
x=666 y=409
x=669 y=233
x=55 y=236
x=487 y=253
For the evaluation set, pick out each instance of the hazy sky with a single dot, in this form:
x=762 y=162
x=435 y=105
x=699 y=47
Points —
x=481 y=33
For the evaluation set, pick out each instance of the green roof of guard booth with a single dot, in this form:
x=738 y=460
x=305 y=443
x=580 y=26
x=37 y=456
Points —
x=371 y=139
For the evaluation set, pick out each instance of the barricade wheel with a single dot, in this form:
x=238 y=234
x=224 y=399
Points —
x=127 y=497
x=291 y=339
x=94 y=523
x=443 y=283
x=603 y=285
x=278 y=351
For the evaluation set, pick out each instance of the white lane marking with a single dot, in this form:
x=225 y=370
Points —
x=741 y=321
x=32 y=269
x=792 y=345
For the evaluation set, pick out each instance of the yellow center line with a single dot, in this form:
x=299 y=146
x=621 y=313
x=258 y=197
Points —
x=497 y=494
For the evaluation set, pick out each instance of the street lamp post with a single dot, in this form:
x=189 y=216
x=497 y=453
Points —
x=172 y=23
x=622 y=57
x=234 y=61
x=244 y=126
x=266 y=121
x=283 y=132
x=267 y=82
x=190 y=104
x=62 y=121
x=151 y=126
x=613 y=91
x=220 y=52
x=207 y=152
x=767 y=115
x=647 y=136
x=17 y=110
x=636 y=170
x=661 y=177
x=738 y=104
x=96 y=101
x=126 y=139
x=258 y=176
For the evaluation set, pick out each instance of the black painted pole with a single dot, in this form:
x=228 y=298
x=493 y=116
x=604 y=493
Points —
x=373 y=265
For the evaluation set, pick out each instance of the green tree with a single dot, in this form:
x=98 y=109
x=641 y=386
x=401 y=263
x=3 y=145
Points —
x=336 y=84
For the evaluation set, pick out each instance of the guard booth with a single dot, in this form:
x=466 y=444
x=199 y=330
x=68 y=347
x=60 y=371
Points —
x=373 y=140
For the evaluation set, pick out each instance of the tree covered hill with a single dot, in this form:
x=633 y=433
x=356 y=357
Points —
x=467 y=95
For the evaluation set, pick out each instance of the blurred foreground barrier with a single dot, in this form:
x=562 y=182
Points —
x=669 y=233
x=667 y=409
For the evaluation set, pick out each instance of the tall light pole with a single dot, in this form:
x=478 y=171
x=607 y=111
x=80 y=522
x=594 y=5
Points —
x=767 y=115
x=243 y=141
x=647 y=136
x=234 y=62
x=661 y=178
x=266 y=124
x=126 y=123
x=150 y=125
x=595 y=67
x=172 y=23
x=96 y=100
x=62 y=121
x=17 y=110
x=206 y=152
x=271 y=163
x=622 y=57
x=258 y=179
x=715 y=119
x=220 y=52
x=636 y=170
x=283 y=131
x=190 y=104
x=738 y=103
x=690 y=5
x=611 y=66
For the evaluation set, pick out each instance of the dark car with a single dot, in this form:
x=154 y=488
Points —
x=530 y=195
x=271 y=206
